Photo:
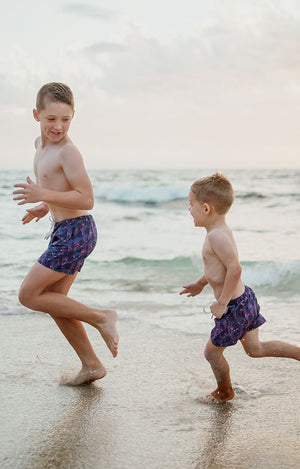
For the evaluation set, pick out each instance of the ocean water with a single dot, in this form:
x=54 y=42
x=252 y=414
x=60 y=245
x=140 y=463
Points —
x=148 y=247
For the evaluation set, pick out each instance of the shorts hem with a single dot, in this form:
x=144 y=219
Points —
x=234 y=343
x=60 y=270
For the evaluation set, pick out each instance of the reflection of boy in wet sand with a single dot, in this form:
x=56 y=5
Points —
x=236 y=309
x=65 y=190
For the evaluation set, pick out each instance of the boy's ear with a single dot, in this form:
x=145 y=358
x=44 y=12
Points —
x=207 y=208
x=36 y=115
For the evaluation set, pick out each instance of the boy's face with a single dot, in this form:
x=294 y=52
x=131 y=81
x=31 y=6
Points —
x=198 y=210
x=55 y=119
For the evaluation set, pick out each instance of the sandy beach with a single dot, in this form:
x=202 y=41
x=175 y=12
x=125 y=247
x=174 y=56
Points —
x=143 y=414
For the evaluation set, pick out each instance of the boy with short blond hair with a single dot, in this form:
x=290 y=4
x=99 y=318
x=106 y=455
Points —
x=236 y=311
x=64 y=188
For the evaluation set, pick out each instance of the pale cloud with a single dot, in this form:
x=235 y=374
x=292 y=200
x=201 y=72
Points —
x=100 y=47
x=91 y=11
x=224 y=56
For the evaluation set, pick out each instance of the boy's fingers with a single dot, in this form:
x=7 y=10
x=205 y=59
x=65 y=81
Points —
x=19 y=191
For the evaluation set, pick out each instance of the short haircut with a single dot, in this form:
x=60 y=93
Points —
x=215 y=190
x=54 y=91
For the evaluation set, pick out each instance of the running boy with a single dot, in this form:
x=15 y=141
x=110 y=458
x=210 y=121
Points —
x=63 y=188
x=236 y=310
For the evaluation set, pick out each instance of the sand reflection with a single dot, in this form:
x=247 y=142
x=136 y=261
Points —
x=67 y=441
x=212 y=449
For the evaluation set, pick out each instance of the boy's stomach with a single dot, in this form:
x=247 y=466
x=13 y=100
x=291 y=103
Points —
x=216 y=279
x=59 y=213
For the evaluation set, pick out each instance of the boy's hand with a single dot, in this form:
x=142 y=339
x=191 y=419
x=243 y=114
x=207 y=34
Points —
x=192 y=289
x=29 y=193
x=37 y=212
x=218 y=309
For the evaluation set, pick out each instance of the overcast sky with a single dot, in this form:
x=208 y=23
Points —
x=160 y=83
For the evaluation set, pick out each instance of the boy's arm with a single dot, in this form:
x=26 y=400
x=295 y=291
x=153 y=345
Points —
x=226 y=252
x=81 y=195
x=39 y=211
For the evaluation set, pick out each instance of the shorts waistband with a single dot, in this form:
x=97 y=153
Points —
x=72 y=220
x=240 y=298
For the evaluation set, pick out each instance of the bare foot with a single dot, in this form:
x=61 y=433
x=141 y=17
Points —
x=216 y=397
x=108 y=330
x=86 y=377
x=209 y=399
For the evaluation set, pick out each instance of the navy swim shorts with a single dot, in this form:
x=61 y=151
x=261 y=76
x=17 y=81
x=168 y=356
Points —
x=241 y=316
x=72 y=241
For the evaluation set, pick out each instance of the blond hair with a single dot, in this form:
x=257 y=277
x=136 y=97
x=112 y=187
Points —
x=215 y=190
x=54 y=91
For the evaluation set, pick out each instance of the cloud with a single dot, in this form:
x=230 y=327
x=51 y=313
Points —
x=213 y=59
x=100 y=47
x=90 y=11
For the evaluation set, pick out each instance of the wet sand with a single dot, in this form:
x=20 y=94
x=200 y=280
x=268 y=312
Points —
x=143 y=414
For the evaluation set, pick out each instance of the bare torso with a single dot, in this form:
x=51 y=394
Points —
x=215 y=271
x=50 y=175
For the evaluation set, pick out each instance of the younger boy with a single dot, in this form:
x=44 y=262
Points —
x=236 y=310
x=64 y=188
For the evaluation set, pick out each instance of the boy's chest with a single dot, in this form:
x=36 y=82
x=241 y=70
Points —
x=207 y=252
x=47 y=168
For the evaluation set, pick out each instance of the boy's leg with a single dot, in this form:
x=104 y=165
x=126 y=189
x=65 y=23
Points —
x=35 y=294
x=220 y=367
x=273 y=348
x=76 y=335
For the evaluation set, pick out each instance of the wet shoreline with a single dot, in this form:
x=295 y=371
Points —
x=143 y=413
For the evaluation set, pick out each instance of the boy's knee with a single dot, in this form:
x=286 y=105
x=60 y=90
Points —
x=25 y=297
x=208 y=354
x=254 y=352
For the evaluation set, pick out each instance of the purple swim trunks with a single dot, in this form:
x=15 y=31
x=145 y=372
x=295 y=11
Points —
x=72 y=241
x=241 y=316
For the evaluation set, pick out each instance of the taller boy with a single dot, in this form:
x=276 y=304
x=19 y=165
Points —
x=64 y=188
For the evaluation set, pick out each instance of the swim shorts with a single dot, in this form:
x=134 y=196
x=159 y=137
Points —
x=241 y=316
x=71 y=241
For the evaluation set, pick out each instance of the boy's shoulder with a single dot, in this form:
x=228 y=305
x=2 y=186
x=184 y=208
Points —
x=219 y=233
x=68 y=149
x=37 y=142
x=67 y=155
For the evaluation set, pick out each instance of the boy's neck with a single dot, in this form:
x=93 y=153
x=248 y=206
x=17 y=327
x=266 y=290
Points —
x=214 y=220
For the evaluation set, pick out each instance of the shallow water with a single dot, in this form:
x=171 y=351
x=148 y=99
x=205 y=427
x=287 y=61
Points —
x=144 y=413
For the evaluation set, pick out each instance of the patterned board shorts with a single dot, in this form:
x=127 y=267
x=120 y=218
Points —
x=72 y=241
x=241 y=316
